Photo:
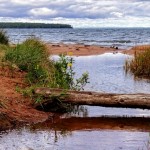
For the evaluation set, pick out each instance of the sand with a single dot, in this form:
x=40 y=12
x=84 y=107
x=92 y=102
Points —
x=80 y=50
x=86 y=50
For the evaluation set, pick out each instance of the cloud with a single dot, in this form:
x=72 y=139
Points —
x=92 y=10
x=42 y=12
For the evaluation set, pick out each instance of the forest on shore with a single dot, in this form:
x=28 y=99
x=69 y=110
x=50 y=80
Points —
x=32 y=25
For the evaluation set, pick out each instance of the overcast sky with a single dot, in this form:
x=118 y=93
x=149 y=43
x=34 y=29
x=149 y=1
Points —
x=79 y=13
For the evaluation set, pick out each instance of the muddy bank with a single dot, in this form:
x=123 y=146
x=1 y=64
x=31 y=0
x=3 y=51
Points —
x=14 y=107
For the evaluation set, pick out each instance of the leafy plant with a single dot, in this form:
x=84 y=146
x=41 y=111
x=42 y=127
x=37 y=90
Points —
x=65 y=75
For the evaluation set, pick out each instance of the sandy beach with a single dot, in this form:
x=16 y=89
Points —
x=86 y=50
x=80 y=50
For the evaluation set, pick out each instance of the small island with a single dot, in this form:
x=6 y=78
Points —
x=32 y=25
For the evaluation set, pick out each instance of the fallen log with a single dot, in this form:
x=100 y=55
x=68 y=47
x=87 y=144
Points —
x=94 y=98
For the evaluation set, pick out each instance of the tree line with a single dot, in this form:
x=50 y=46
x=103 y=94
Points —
x=32 y=25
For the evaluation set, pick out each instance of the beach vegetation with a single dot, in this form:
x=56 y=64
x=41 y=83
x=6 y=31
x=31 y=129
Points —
x=65 y=74
x=140 y=64
x=31 y=56
x=3 y=37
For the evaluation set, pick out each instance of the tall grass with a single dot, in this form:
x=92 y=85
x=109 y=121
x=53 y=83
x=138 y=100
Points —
x=31 y=56
x=140 y=64
x=3 y=37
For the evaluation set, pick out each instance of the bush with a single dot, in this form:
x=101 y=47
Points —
x=3 y=37
x=64 y=74
x=140 y=64
x=31 y=56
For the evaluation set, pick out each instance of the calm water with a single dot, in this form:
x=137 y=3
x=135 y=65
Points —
x=123 y=38
x=86 y=127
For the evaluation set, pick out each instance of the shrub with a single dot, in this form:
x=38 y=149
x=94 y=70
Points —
x=3 y=37
x=65 y=76
x=140 y=64
x=31 y=56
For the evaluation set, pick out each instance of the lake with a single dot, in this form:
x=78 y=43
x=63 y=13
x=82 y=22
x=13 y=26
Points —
x=121 y=37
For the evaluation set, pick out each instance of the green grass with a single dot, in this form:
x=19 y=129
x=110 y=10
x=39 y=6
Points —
x=140 y=64
x=31 y=56
x=3 y=37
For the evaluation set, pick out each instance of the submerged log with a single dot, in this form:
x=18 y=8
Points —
x=94 y=98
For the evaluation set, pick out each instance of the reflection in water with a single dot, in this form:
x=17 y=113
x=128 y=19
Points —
x=81 y=111
x=96 y=132
x=95 y=123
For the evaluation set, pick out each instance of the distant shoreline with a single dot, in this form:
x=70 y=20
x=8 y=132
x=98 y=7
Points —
x=21 y=25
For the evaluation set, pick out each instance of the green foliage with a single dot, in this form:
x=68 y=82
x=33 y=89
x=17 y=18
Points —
x=65 y=76
x=140 y=64
x=31 y=56
x=3 y=37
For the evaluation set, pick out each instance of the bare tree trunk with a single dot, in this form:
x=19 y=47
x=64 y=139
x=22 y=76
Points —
x=95 y=99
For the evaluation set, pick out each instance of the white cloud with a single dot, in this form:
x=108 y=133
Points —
x=42 y=12
x=117 y=14
x=29 y=2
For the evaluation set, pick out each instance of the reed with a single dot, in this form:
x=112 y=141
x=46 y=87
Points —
x=140 y=64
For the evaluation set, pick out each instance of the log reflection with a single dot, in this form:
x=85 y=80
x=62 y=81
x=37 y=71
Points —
x=96 y=123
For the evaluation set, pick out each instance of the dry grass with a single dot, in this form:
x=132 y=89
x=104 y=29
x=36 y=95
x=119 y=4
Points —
x=140 y=64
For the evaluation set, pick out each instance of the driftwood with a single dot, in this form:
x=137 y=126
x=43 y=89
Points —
x=94 y=98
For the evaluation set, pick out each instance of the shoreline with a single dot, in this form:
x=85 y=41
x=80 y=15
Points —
x=88 y=50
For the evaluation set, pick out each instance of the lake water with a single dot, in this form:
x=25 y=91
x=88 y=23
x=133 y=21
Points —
x=121 y=37
x=91 y=128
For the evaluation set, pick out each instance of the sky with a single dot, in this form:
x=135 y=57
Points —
x=78 y=13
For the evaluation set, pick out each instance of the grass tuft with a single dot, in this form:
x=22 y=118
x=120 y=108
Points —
x=140 y=64
x=3 y=37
